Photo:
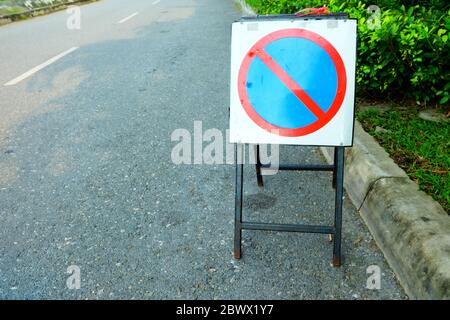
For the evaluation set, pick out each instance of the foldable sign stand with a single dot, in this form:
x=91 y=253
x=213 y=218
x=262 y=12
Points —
x=338 y=184
x=292 y=82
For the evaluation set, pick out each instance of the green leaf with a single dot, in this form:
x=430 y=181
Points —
x=441 y=32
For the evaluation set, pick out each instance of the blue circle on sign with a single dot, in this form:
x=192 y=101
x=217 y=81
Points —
x=309 y=65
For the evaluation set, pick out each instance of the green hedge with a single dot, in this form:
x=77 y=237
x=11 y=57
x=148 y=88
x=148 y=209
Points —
x=405 y=55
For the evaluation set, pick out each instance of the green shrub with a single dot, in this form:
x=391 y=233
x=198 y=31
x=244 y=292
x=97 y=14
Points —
x=405 y=55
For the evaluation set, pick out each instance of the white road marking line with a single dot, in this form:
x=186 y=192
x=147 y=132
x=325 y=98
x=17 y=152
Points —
x=39 y=67
x=129 y=17
x=156 y=2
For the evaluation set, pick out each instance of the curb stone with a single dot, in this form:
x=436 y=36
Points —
x=411 y=229
x=246 y=8
x=39 y=11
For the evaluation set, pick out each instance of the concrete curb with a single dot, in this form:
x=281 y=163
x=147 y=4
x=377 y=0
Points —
x=412 y=229
x=246 y=9
x=5 y=19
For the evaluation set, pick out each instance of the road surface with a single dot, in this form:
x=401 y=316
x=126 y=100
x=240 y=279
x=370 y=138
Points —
x=87 y=180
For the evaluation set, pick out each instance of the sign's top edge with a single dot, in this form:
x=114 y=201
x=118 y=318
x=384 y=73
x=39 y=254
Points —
x=271 y=17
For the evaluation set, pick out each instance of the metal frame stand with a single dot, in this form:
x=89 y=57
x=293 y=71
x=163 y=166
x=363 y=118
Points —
x=334 y=231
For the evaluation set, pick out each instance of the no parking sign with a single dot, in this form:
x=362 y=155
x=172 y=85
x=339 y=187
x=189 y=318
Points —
x=293 y=81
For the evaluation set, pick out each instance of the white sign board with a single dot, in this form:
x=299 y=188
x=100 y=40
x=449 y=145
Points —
x=293 y=81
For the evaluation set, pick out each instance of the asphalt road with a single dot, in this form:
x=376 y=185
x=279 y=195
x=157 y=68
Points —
x=86 y=176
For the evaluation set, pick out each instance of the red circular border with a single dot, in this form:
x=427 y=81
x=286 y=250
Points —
x=341 y=82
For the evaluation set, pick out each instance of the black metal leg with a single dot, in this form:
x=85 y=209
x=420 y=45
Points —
x=338 y=182
x=238 y=201
x=339 y=156
x=259 y=177
x=335 y=167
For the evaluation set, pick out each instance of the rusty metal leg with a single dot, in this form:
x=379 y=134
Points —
x=238 y=201
x=339 y=156
x=335 y=168
x=259 y=177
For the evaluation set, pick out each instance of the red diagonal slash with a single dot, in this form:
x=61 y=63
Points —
x=290 y=83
